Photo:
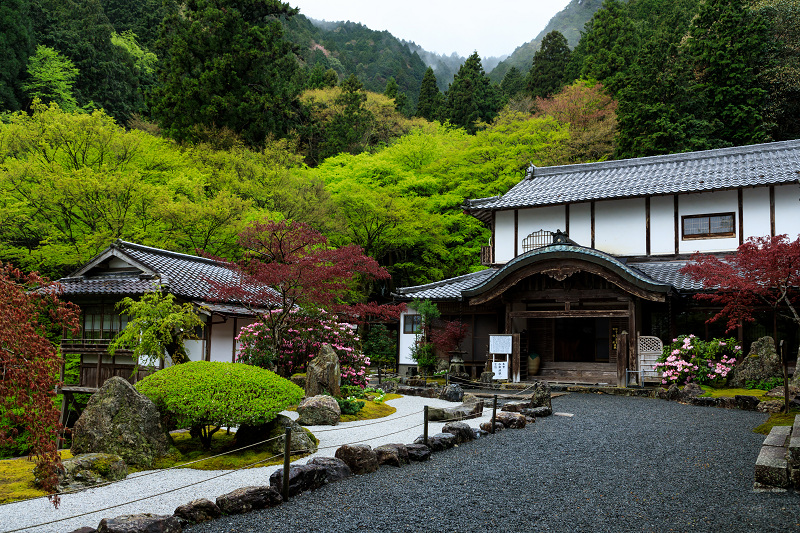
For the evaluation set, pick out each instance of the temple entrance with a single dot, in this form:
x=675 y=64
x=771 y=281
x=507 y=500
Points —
x=581 y=340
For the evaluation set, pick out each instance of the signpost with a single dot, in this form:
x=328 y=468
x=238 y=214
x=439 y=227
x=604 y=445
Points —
x=504 y=351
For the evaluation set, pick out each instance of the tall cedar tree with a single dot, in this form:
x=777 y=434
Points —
x=289 y=264
x=727 y=46
x=349 y=128
x=763 y=273
x=513 y=83
x=30 y=310
x=17 y=43
x=471 y=97
x=548 y=70
x=225 y=64
x=430 y=97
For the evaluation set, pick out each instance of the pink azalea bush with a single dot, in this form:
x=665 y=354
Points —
x=304 y=332
x=689 y=359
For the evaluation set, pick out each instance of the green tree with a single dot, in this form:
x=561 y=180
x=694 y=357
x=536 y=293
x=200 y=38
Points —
x=140 y=17
x=430 y=97
x=471 y=97
x=380 y=345
x=52 y=77
x=608 y=47
x=548 y=70
x=157 y=325
x=349 y=127
x=16 y=42
x=513 y=83
x=393 y=91
x=225 y=64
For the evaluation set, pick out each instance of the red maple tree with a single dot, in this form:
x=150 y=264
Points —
x=764 y=272
x=288 y=265
x=30 y=309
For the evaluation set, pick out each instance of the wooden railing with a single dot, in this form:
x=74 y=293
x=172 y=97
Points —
x=487 y=255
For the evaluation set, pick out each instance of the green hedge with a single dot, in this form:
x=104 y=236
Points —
x=221 y=394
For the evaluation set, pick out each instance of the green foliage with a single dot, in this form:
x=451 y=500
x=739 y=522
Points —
x=52 y=77
x=548 y=70
x=156 y=325
x=347 y=130
x=765 y=385
x=689 y=359
x=201 y=393
x=380 y=345
x=425 y=357
x=225 y=64
x=17 y=44
x=140 y=17
x=430 y=98
x=471 y=97
x=350 y=406
x=513 y=83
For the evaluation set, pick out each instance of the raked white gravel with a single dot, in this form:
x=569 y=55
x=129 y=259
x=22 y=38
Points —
x=107 y=502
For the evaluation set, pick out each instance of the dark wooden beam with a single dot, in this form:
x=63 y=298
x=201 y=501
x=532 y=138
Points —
x=516 y=232
x=772 y=210
x=575 y=313
x=647 y=224
x=566 y=219
x=677 y=226
x=740 y=195
x=591 y=209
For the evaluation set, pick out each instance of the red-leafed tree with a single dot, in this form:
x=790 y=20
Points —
x=447 y=335
x=287 y=265
x=30 y=310
x=764 y=272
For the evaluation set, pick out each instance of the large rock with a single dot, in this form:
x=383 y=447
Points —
x=461 y=430
x=140 y=523
x=89 y=469
x=438 y=442
x=324 y=373
x=335 y=469
x=196 y=511
x=511 y=420
x=392 y=455
x=319 y=410
x=361 y=458
x=761 y=364
x=121 y=421
x=452 y=393
x=541 y=395
x=248 y=499
x=301 y=441
x=418 y=452
x=516 y=407
x=537 y=412
x=302 y=478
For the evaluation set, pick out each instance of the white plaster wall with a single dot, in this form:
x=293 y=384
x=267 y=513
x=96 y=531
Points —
x=406 y=340
x=580 y=223
x=755 y=205
x=619 y=226
x=504 y=236
x=662 y=225
x=222 y=340
x=703 y=204
x=549 y=218
x=787 y=210
x=195 y=349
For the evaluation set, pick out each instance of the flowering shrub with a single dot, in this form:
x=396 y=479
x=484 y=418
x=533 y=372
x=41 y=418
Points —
x=689 y=359
x=305 y=332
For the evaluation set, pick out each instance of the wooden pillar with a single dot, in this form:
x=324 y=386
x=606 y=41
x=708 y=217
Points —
x=622 y=357
x=515 y=372
x=233 y=348
x=208 y=337
x=633 y=363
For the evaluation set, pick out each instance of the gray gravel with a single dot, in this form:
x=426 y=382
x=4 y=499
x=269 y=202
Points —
x=619 y=464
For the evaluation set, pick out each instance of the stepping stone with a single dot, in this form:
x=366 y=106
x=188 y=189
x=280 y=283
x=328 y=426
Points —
x=777 y=436
x=771 y=467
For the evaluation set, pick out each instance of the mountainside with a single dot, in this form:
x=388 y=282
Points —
x=569 y=21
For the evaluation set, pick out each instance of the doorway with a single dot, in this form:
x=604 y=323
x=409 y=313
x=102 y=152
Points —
x=581 y=340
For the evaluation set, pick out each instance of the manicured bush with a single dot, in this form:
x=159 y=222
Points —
x=205 y=396
x=689 y=359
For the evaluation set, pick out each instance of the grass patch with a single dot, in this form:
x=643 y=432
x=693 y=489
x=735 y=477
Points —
x=16 y=479
x=730 y=393
x=777 y=419
x=372 y=410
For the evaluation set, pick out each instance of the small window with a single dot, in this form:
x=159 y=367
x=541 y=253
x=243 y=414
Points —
x=412 y=324
x=709 y=226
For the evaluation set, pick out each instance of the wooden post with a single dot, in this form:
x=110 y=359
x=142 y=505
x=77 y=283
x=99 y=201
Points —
x=286 y=450
x=425 y=424
x=515 y=372
x=785 y=363
x=494 y=411
x=622 y=358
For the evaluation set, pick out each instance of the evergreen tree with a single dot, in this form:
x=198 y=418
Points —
x=609 y=46
x=17 y=44
x=142 y=17
x=349 y=127
x=393 y=91
x=430 y=97
x=225 y=64
x=727 y=46
x=548 y=70
x=513 y=83
x=471 y=97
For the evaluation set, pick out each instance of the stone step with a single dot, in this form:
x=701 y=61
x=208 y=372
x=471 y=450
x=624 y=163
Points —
x=772 y=468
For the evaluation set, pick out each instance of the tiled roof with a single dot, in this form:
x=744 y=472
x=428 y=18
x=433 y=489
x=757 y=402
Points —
x=449 y=289
x=186 y=276
x=724 y=168
x=667 y=272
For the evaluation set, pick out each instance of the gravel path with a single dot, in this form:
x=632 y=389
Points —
x=620 y=464
x=404 y=426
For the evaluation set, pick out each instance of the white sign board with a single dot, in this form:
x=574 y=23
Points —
x=500 y=344
x=500 y=369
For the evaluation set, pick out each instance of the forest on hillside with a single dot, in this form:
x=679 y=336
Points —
x=176 y=124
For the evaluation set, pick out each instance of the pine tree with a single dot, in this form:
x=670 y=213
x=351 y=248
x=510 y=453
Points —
x=513 y=82
x=548 y=70
x=471 y=97
x=16 y=42
x=609 y=46
x=348 y=130
x=430 y=98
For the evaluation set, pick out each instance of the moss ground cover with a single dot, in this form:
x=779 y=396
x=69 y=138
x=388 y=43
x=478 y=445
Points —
x=777 y=419
x=372 y=410
x=16 y=479
x=730 y=393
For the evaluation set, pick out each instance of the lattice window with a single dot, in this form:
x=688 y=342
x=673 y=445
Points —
x=650 y=349
x=537 y=239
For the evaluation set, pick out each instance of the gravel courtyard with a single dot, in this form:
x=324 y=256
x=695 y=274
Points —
x=619 y=464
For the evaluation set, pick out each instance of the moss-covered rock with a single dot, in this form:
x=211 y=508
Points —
x=87 y=470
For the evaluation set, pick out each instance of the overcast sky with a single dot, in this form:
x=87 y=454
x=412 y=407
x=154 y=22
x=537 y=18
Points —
x=493 y=28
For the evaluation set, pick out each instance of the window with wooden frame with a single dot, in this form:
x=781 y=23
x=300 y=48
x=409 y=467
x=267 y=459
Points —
x=412 y=324
x=709 y=226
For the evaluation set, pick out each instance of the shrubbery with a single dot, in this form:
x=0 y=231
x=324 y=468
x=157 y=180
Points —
x=689 y=359
x=202 y=394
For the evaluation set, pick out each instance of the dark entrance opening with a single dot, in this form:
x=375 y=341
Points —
x=582 y=340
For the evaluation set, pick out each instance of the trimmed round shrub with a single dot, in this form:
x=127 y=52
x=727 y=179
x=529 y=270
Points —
x=202 y=394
